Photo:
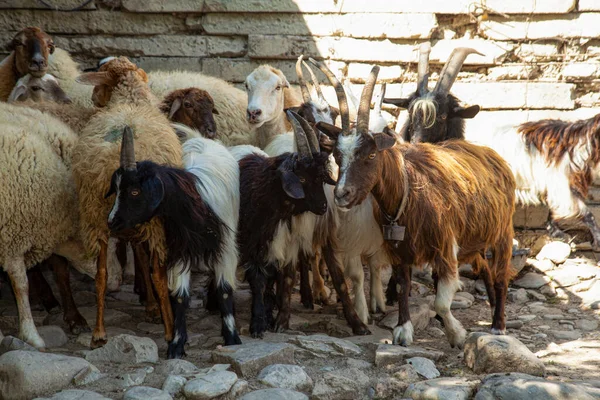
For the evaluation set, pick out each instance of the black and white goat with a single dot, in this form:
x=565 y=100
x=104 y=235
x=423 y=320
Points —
x=198 y=209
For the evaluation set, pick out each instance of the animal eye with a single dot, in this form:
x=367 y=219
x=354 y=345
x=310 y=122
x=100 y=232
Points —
x=36 y=88
x=302 y=180
x=443 y=116
x=372 y=156
x=187 y=104
x=135 y=192
x=278 y=87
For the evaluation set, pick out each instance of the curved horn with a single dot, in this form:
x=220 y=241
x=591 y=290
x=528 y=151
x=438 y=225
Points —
x=362 y=120
x=127 y=153
x=451 y=69
x=301 y=81
x=311 y=136
x=299 y=136
x=315 y=82
x=423 y=69
x=340 y=93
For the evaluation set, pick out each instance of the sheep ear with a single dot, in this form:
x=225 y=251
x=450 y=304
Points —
x=142 y=75
x=16 y=93
x=468 y=112
x=330 y=130
x=94 y=78
x=174 y=107
x=286 y=84
x=384 y=140
x=402 y=103
x=59 y=94
x=215 y=111
x=291 y=183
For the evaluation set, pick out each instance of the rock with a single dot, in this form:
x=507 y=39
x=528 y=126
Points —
x=539 y=336
x=424 y=367
x=586 y=324
x=516 y=324
x=274 y=394
x=126 y=349
x=237 y=390
x=134 y=378
x=76 y=394
x=286 y=376
x=323 y=344
x=523 y=386
x=591 y=297
x=348 y=384
x=209 y=386
x=563 y=277
x=85 y=338
x=249 y=359
x=147 y=327
x=174 y=384
x=480 y=287
x=531 y=280
x=486 y=353
x=27 y=374
x=10 y=343
x=541 y=265
x=462 y=300
x=553 y=316
x=468 y=285
x=390 y=354
x=518 y=296
x=388 y=387
x=442 y=389
x=527 y=317
x=406 y=373
x=53 y=336
x=535 y=295
x=355 y=363
x=146 y=393
x=548 y=290
x=557 y=252
x=420 y=313
x=87 y=375
x=176 y=367
x=566 y=335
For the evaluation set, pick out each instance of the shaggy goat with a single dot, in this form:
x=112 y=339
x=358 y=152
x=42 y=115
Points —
x=273 y=193
x=122 y=88
x=192 y=107
x=30 y=50
x=455 y=200
x=199 y=209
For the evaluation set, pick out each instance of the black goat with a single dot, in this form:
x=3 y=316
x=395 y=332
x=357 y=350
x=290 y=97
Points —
x=272 y=191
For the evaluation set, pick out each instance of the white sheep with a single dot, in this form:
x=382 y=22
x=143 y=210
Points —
x=66 y=71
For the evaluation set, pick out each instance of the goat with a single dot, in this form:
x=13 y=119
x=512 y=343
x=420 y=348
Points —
x=273 y=192
x=192 y=107
x=30 y=49
x=455 y=200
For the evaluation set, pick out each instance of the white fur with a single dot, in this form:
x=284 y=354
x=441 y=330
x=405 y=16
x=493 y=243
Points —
x=219 y=186
x=242 y=150
x=179 y=280
x=229 y=322
x=347 y=146
x=403 y=334
x=115 y=207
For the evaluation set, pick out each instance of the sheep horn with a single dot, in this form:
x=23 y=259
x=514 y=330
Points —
x=127 y=152
x=362 y=120
x=311 y=136
x=303 y=86
x=315 y=82
x=339 y=91
x=299 y=136
x=451 y=69
x=423 y=69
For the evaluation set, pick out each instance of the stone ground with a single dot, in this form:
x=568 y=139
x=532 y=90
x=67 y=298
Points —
x=552 y=310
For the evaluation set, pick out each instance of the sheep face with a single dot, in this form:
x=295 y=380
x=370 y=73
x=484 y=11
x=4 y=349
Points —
x=265 y=94
x=32 y=46
x=37 y=90
x=192 y=107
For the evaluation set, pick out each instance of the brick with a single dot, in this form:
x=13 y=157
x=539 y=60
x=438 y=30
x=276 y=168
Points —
x=35 y=4
x=388 y=25
x=589 y=5
x=586 y=25
x=159 y=45
x=168 y=63
x=358 y=72
x=236 y=70
x=535 y=52
x=150 y=6
x=532 y=6
x=511 y=72
x=92 y=22
x=575 y=71
x=350 y=49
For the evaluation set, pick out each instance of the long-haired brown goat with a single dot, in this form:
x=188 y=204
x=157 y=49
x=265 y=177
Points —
x=454 y=199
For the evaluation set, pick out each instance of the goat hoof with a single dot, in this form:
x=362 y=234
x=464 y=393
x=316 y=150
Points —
x=257 y=335
x=97 y=342
x=495 y=331
x=77 y=325
x=361 y=330
x=308 y=304
x=231 y=340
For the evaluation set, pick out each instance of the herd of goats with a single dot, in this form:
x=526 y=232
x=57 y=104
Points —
x=188 y=171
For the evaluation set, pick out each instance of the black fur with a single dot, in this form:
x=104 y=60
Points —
x=179 y=305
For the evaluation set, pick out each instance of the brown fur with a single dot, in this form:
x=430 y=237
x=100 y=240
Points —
x=194 y=108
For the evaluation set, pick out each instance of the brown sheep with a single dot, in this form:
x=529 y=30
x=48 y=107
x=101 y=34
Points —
x=192 y=107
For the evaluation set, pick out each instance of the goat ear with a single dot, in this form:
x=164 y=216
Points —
x=174 y=107
x=94 y=78
x=402 y=103
x=154 y=191
x=113 y=186
x=294 y=109
x=291 y=183
x=329 y=180
x=384 y=140
x=330 y=130
x=468 y=113
x=326 y=143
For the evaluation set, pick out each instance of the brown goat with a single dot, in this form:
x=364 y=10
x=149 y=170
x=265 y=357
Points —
x=192 y=107
x=30 y=50
x=455 y=200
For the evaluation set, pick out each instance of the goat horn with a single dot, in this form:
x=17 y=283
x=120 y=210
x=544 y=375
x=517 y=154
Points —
x=315 y=81
x=299 y=136
x=339 y=91
x=362 y=120
x=380 y=97
x=423 y=69
x=303 y=87
x=451 y=69
x=311 y=136
x=127 y=152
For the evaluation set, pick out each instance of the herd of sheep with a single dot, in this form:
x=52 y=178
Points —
x=188 y=171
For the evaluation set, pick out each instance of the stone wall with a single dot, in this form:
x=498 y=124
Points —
x=540 y=56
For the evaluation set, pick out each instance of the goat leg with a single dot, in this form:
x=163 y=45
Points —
x=270 y=299
x=62 y=276
x=226 y=305
x=142 y=266
x=590 y=221
x=391 y=294
x=282 y=322
x=318 y=283
x=180 y=302
x=40 y=289
x=161 y=284
x=337 y=276
x=99 y=335
x=212 y=304
x=258 y=321
x=306 y=297
x=403 y=332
